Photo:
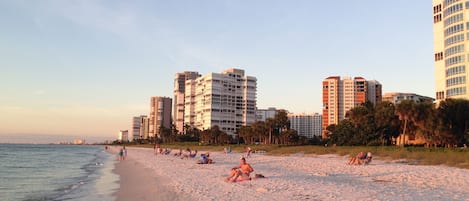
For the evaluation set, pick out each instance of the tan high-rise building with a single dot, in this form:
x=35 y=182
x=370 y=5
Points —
x=179 y=97
x=160 y=115
x=140 y=127
x=226 y=99
x=450 y=26
x=341 y=95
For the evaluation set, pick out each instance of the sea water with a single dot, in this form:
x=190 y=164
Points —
x=56 y=172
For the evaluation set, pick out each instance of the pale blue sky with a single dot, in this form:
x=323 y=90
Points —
x=86 y=67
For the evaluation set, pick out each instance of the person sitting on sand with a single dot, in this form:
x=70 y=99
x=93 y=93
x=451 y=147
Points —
x=241 y=171
x=357 y=160
x=368 y=158
x=204 y=159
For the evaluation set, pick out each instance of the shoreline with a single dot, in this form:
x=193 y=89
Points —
x=137 y=182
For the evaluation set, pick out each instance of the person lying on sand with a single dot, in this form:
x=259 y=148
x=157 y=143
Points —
x=241 y=171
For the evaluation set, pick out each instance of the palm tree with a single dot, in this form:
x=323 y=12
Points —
x=404 y=110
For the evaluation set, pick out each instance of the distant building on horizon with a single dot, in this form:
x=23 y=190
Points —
x=308 y=125
x=450 y=24
x=341 y=95
x=179 y=97
x=140 y=127
x=123 y=136
x=160 y=115
x=264 y=114
x=397 y=97
x=226 y=99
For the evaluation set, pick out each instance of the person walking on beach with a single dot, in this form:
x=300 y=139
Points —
x=242 y=171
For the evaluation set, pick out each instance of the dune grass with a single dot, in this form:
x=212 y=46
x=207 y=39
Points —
x=453 y=157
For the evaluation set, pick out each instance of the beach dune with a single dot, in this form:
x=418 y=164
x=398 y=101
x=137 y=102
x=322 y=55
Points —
x=295 y=177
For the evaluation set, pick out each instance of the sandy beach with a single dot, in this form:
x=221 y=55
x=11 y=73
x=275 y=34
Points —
x=146 y=176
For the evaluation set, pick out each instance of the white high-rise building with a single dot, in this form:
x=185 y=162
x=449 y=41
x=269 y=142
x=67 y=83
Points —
x=226 y=99
x=308 y=125
x=264 y=114
x=450 y=26
x=123 y=136
x=179 y=97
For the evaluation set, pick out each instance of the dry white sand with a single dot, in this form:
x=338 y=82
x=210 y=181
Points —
x=296 y=177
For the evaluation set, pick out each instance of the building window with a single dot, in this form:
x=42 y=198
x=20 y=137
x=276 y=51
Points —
x=437 y=9
x=437 y=18
x=454 y=39
x=438 y=56
x=454 y=29
x=456 y=91
x=454 y=60
x=454 y=50
x=455 y=70
x=455 y=81
x=453 y=19
x=452 y=9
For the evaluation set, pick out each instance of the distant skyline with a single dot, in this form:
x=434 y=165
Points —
x=85 y=68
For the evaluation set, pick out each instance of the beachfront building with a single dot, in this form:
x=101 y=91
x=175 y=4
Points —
x=160 y=115
x=123 y=136
x=179 y=97
x=450 y=24
x=397 y=97
x=264 y=114
x=308 y=125
x=140 y=127
x=226 y=99
x=341 y=95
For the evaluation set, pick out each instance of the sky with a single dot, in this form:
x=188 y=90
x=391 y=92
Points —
x=85 y=68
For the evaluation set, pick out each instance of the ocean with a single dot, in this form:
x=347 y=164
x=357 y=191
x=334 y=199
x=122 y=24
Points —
x=32 y=172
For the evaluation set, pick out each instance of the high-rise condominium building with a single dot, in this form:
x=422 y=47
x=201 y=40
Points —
x=226 y=99
x=308 y=125
x=160 y=115
x=397 y=97
x=264 y=114
x=450 y=37
x=341 y=95
x=123 y=136
x=179 y=94
x=139 y=127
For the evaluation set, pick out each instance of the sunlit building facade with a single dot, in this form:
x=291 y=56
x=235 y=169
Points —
x=341 y=95
x=450 y=39
x=140 y=127
x=397 y=97
x=226 y=99
x=179 y=97
x=160 y=114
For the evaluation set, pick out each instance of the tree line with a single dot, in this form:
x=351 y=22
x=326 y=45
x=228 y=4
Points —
x=439 y=125
x=445 y=124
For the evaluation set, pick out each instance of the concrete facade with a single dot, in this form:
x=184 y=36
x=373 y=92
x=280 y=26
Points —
x=226 y=99
x=160 y=114
x=308 y=125
x=341 y=95
x=179 y=97
x=450 y=25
